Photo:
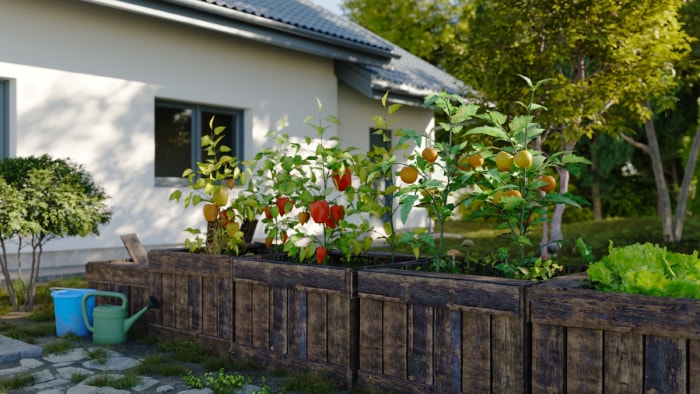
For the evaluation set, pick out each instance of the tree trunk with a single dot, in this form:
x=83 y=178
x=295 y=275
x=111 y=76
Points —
x=685 y=186
x=661 y=187
x=595 y=186
x=8 y=279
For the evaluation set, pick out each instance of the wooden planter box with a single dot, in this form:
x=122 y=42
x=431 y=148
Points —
x=425 y=332
x=298 y=316
x=126 y=277
x=195 y=294
x=588 y=341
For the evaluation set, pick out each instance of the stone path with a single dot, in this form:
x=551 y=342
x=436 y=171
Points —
x=54 y=371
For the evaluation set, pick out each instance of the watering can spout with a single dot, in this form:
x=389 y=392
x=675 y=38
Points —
x=152 y=303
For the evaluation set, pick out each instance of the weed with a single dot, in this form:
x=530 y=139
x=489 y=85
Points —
x=215 y=363
x=59 y=347
x=77 y=377
x=17 y=381
x=157 y=364
x=310 y=383
x=219 y=382
x=100 y=355
x=127 y=381
x=186 y=351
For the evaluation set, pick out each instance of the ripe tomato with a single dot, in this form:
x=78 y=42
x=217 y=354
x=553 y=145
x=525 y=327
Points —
x=551 y=183
x=504 y=160
x=211 y=212
x=408 y=174
x=337 y=212
x=282 y=204
x=523 y=159
x=321 y=253
x=330 y=222
x=342 y=181
x=268 y=212
x=319 y=211
x=513 y=193
x=476 y=160
x=303 y=217
x=430 y=155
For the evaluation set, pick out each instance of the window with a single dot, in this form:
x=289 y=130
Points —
x=4 y=119
x=179 y=129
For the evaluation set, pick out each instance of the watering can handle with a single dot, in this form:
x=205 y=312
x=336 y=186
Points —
x=95 y=294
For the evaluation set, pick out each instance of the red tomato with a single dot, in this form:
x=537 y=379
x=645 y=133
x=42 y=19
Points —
x=321 y=252
x=319 y=211
x=268 y=213
x=337 y=212
x=330 y=223
x=342 y=181
x=281 y=204
x=284 y=238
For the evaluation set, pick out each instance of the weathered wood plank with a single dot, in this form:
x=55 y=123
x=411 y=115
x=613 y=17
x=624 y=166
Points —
x=297 y=310
x=394 y=342
x=510 y=359
x=584 y=361
x=665 y=365
x=548 y=358
x=285 y=275
x=135 y=249
x=194 y=303
x=225 y=308
x=623 y=367
x=260 y=316
x=243 y=314
x=577 y=306
x=117 y=271
x=448 y=350
x=456 y=292
x=420 y=338
x=693 y=366
x=168 y=300
x=156 y=281
x=338 y=329
x=210 y=307
x=280 y=318
x=371 y=335
x=182 y=308
x=476 y=352
x=317 y=312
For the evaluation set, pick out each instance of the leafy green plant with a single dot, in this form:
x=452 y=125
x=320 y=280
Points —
x=17 y=381
x=647 y=269
x=210 y=183
x=219 y=382
x=507 y=181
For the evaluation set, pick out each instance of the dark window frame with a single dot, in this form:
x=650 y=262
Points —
x=197 y=130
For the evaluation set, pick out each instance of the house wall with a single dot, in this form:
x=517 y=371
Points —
x=83 y=83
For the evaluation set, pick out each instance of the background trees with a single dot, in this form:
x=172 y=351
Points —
x=42 y=198
x=614 y=65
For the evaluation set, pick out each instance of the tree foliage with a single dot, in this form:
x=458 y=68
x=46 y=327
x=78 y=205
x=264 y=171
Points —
x=43 y=199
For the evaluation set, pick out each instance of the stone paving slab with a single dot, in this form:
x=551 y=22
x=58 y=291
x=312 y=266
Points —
x=12 y=349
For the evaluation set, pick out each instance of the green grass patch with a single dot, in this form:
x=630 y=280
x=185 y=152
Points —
x=309 y=383
x=158 y=364
x=77 y=377
x=125 y=382
x=17 y=381
x=58 y=347
x=185 y=351
x=99 y=354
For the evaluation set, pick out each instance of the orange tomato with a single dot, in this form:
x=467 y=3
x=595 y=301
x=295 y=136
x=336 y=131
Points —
x=211 y=212
x=408 y=174
x=430 y=155
x=551 y=183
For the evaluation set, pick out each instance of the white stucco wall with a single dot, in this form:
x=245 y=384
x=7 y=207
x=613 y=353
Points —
x=83 y=83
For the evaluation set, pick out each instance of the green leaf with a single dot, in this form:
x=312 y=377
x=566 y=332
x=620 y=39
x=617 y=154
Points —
x=490 y=131
x=407 y=206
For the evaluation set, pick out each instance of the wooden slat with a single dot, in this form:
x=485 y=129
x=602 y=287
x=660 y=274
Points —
x=624 y=362
x=584 y=361
x=260 y=316
x=284 y=275
x=338 y=329
x=317 y=326
x=225 y=308
x=194 y=303
x=693 y=366
x=280 y=318
x=371 y=335
x=548 y=357
x=243 y=314
x=420 y=338
x=297 y=309
x=665 y=365
x=168 y=300
x=182 y=308
x=448 y=350
x=509 y=354
x=394 y=342
x=135 y=249
x=476 y=352
x=156 y=288
x=210 y=307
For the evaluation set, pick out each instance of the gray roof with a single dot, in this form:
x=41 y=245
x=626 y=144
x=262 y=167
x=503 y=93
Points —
x=363 y=60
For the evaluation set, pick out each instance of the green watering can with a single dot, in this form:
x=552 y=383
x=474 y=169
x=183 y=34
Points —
x=110 y=321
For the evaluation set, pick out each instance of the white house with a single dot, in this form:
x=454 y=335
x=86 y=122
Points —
x=94 y=81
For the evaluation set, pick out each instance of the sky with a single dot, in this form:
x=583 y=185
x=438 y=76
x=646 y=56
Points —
x=332 y=5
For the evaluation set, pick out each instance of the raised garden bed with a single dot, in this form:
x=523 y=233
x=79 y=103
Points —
x=590 y=341
x=435 y=332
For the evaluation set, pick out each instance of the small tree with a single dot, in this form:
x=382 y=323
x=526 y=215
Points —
x=42 y=199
